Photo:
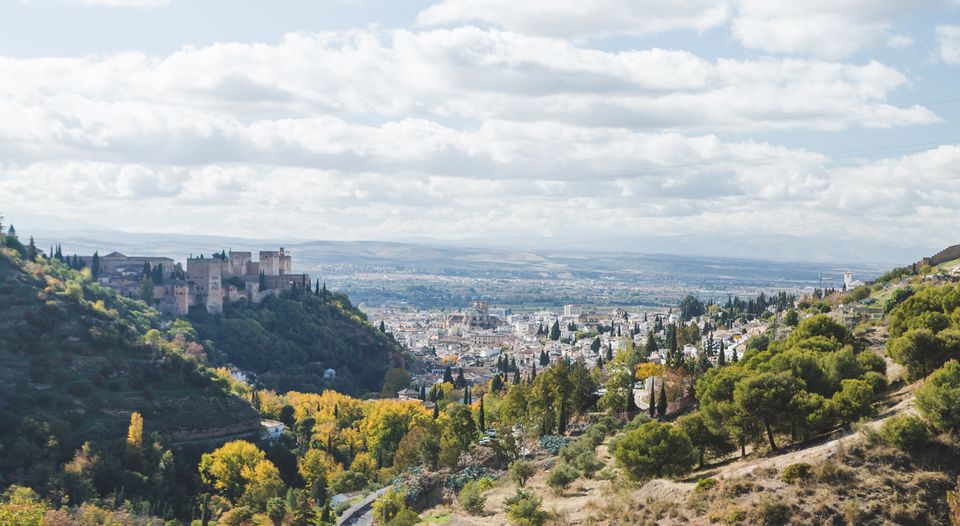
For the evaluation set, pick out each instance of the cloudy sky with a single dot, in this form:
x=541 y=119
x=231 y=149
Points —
x=587 y=123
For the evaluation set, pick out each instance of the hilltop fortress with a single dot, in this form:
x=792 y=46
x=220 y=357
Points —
x=207 y=281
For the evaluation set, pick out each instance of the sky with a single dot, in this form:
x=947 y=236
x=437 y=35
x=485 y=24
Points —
x=594 y=124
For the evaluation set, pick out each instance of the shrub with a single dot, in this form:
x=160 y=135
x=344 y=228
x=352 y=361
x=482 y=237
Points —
x=655 y=449
x=588 y=463
x=553 y=443
x=939 y=399
x=520 y=472
x=770 y=511
x=705 y=484
x=348 y=481
x=471 y=499
x=906 y=432
x=524 y=509
x=561 y=476
x=794 y=473
x=457 y=481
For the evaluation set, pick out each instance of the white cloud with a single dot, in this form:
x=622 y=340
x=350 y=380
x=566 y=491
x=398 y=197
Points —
x=125 y=3
x=892 y=199
x=230 y=101
x=899 y=41
x=825 y=28
x=948 y=37
x=822 y=28
x=579 y=19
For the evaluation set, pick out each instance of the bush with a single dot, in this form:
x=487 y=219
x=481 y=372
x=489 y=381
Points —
x=471 y=499
x=520 y=472
x=796 y=473
x=655 y=449
x=553 y=443
x=348 y=481
x=705 y=484
x=524 y=509
x=939 y=399
x=561 y=476
x=770 y=511
x=906 y=432
x=588 y=463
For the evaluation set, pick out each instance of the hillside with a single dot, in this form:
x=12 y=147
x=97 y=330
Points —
x=78 y=360
x=289 y=341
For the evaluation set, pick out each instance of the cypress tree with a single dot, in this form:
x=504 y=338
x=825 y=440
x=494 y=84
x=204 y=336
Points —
x=662 y=401
x=436 y=410
x=562 y=424
x=733 y=356
x=32 y=250
x=447 y=375
x=497 y=385
x=466 y=396
x=600 y=362
x=533 y=373
x=653 y=406
x=262 y=282
x=480 y=419
x=516 y=377
x=316 y=291
x=609 y=351
x=513 y=364
x=721 y=359
x=555 y=331
x=461 y=381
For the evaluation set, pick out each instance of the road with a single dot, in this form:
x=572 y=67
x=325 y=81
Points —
x=361 y=514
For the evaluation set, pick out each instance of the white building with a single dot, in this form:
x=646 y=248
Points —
x=572 y=310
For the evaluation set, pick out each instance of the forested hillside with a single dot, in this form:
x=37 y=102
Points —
x=77 y=361
x=289 y=341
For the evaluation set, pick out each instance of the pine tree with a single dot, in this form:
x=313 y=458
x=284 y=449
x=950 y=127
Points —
x=662 y=401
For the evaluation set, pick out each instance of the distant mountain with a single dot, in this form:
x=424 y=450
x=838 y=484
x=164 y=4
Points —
x=734 y=256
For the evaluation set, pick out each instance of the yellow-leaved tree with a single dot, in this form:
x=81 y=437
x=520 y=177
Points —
x=240 y=472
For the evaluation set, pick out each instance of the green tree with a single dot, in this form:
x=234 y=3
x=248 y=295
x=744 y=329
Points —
x=906 y=432
x=394 y=380
x=654 y=449
x=524 y=509
x=662 y=401
x=919 y=350
x=704 y=437
x=561 y=476
x=555 y=331
x=939 y=398
x=767 y=397
x=520 y=471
